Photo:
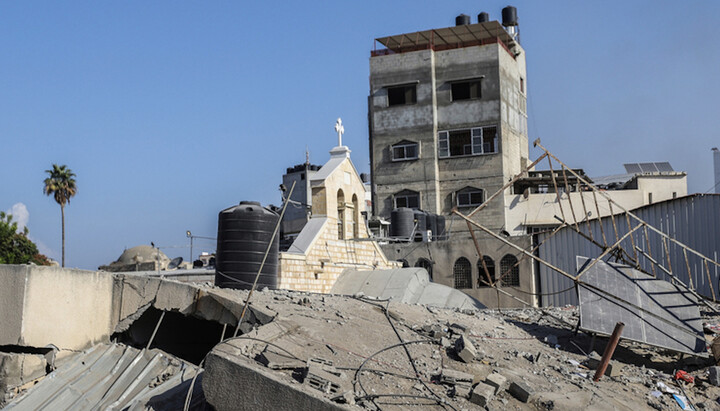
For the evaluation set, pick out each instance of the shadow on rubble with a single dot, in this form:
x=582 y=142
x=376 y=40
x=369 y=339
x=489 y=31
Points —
x=626 y=352
x=188 y=338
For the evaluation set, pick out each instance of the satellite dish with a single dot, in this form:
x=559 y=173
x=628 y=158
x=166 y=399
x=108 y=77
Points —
x=174 y=263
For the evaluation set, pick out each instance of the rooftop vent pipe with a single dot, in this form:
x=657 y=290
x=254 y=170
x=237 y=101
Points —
x=462 y=20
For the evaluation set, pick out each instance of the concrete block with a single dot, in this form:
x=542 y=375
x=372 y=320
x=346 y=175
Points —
x=496 y=380
x=521 y=391
x=715 y=376
x=465 y=349
x=593 y=362
x=482 y=394
x=462 y=390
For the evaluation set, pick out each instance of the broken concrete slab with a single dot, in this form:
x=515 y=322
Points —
x=520 y=390
x=176 y=296
x=465 y=349
x=17 y=369
x=450 y=376
x=322 y=376
x=482 y=394
x=233 y=382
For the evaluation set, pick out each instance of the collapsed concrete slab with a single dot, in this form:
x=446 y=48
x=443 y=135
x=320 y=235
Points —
x=234 y=382
x=406 y=285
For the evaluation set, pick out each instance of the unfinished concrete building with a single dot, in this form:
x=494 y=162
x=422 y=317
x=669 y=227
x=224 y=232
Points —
x=448 y=127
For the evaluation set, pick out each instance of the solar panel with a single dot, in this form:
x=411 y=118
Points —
x=637 y=168
x=648 y=167
x=632 y=168
x=655 y=312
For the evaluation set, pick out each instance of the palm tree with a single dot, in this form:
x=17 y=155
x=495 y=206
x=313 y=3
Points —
x=61 y=185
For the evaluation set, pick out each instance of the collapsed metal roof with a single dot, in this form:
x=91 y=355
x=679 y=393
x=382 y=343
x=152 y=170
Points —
x=114 y=376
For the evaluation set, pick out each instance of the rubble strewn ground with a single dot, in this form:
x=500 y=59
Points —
x=297 y=350
x=521 y=359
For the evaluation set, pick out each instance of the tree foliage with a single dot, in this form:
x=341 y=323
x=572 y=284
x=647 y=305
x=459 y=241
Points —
x=16 y=248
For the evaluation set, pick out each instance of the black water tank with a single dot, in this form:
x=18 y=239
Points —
x=244 y=232
x=432 y=222
x=401 y=222
x=509 y=16
x=440 y=233
x=421 y=220
x=462 y=20
x=483 y=17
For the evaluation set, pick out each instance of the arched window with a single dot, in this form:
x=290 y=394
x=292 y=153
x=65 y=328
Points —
x=404 y=262
x=482 y=278
x=469 y=197
x=356 y=217
x=510 y=271
x=426 y=264
x=462 y=273
x=341 y=214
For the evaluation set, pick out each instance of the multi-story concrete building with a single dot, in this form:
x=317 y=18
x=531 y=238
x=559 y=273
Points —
x=448 y=127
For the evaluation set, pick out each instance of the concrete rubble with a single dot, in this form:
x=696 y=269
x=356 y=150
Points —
x=296 y=350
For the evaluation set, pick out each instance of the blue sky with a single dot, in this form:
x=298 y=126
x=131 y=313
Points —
x=169 y=112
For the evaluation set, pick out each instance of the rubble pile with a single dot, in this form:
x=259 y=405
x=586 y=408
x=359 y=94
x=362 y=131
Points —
x=362 y=352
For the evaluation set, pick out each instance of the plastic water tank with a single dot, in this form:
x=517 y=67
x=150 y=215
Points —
x=509 y=16
x=431 y=223
x=244 y=232
x=483 y=17
x=401 y=222
x=421 y=221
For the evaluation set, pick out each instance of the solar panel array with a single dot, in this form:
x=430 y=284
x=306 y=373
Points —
x=638 y=168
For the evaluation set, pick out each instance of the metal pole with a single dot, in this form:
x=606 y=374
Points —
x=191 y=249
x=609 y=350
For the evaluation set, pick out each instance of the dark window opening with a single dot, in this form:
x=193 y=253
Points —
x=405 y=151
x=409 y=199
x=404 y=262
x=302 y=176
x=522 y=85
x=510 y=271
x=470 y=197
x=462 y=273
x=475 y=141
x=401 y=95
x=482 y=277
x=466 y=90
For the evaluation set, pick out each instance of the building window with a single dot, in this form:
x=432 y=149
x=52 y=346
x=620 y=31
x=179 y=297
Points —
x=405 y=150
x=356 y=217
x=522 y=85
x=482 y=278
x=509 y=271
x=462 y=273
x=470 y=197
x=402 y=95
x=341 y=214
x=407 y=198
x=426 y=264
x=466 y=90
x=469 y=142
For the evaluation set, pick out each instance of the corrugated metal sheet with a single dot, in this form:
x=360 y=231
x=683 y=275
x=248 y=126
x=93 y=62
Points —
x=113 y=377
x=693 y=220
